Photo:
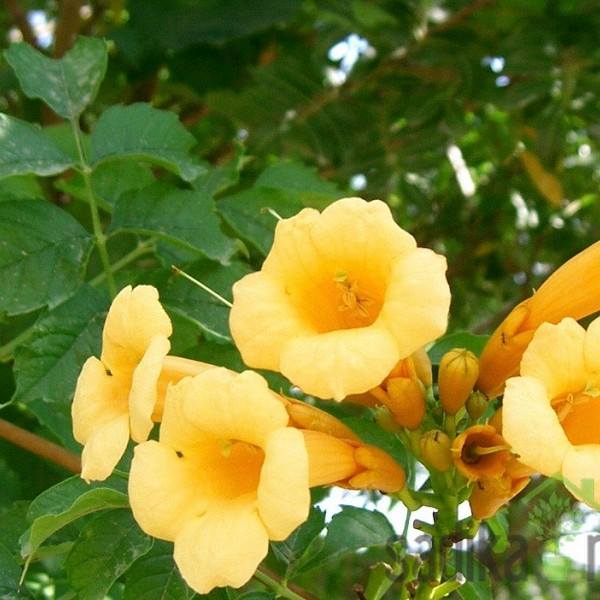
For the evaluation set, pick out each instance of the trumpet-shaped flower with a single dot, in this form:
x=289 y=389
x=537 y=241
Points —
x=118 y=395
x=226 y=476
x=502 y=354
x=342 y=296
x=551 y=414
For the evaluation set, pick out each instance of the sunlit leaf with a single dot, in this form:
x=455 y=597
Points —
x=25 y=148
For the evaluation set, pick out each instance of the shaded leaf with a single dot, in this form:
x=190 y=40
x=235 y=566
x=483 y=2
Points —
x=43 y=255
x=182 y=217
x=460 y=339
x=10 y=575
x=47 y=367
x=350 y=530
x=155 y=576
x=197 y=306
x=106 y=548
x=67 y=85
x=25 y=148
x=140 y=132
x=66 y=502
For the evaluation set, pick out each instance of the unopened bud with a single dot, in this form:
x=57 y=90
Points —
x=385 y=419
x=476 y=405
x=435 y=448
x=406 y=401
x=459 y=369
x=422 y=364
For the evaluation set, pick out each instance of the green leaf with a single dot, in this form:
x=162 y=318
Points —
x=185 y=218
x=67 y=85
x=285 y=188
x=460 y=339
x=10 y=575
x=106 y=548
x=479 y=584
x=47 y=367
x=67 y=501
x=195 y=305
x=350 y=530
x=43 y=255
x=155 y=576
x=291 y=550
x=257 y=596
x=140 y=132
x=25 y=148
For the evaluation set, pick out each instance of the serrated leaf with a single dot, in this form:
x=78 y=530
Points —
x=47 y=367
x=140 y=132
x=25 y=149
x=68 y=84
x=197 y=306
x=185 y=218
x=350 y=530
x=460 y=339
x=43 y=255
x=106 y=548
x=155 y=576
x=67 y=501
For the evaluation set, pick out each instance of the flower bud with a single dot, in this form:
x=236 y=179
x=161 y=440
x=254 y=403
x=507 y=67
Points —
x=459 y=369
x=435 y=449
x=476 y=405
x=406 y=401
x=385 y=419
x=422 y=365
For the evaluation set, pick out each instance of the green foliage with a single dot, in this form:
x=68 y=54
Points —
x=189 y=127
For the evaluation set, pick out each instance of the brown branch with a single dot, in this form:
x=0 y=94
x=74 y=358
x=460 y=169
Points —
x=19 y=18
x=40 y=446
x=67 y=26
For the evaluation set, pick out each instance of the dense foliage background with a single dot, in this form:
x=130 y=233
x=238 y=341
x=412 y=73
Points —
x=477 y=121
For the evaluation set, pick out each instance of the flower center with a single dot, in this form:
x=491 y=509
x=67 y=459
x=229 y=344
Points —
x=353 y=299
x=232 y=467
x=579 y=414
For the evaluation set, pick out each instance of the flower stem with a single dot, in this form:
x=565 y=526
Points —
x=40 y=446
x=281 y=589
x=86 y=171
x=201 y=285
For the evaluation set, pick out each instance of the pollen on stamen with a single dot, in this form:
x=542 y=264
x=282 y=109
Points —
x=353 y=298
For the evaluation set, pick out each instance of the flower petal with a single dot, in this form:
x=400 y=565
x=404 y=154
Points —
x=335 y=364
x=104 y=448
x=221 y=548
x=417 y=300
x=99 y=398
x=283 y=493
x=555 y=356
x=134 y=318
x=234 y=406
x=165 y=490
x=143 y=395
x=263 y=319
x=531 y=427
x=591 y=348
x=581 y=474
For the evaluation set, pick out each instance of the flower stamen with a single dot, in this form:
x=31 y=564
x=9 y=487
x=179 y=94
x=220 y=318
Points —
x=354 y=299
x=564 y=404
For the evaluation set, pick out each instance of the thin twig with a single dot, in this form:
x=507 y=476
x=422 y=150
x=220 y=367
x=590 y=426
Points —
x=40 y=446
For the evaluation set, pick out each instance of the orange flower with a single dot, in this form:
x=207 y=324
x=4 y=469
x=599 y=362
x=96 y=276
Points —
x=573 y=290
x=551 y=414
x=480 y=452
x=491 y=494
x=342 y=296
